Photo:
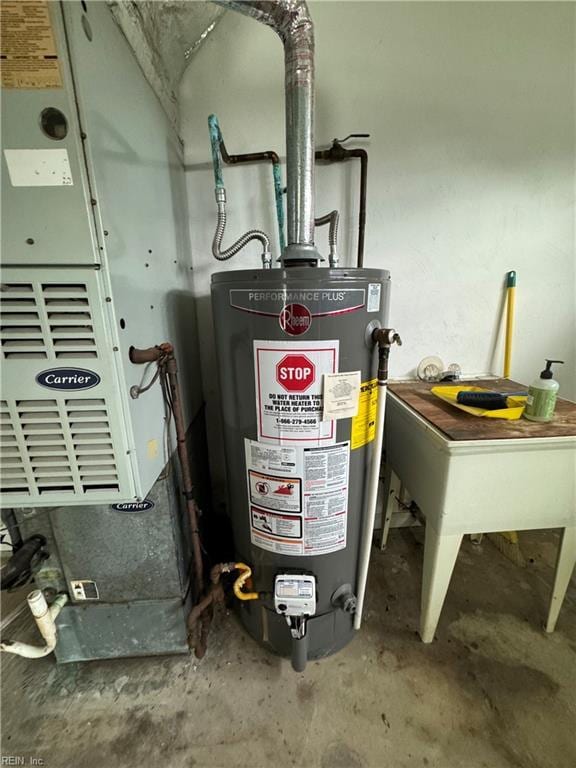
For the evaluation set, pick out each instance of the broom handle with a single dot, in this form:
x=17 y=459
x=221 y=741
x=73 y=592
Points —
x=510 y=296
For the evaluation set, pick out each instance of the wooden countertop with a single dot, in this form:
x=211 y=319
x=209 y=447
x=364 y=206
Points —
x=459 y=425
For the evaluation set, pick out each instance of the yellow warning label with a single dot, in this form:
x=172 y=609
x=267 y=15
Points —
x=29 y=58
x=364 y=423
x=152 y=449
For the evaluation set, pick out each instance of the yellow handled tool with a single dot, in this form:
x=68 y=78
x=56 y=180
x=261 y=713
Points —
x=510 y=299
x=507 y=542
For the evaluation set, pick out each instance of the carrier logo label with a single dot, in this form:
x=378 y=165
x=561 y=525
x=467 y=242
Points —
x=68 y=378
x=295 y=319
x=133 y=506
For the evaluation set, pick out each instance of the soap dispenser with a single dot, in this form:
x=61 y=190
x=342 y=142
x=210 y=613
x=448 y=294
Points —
x=542 y=393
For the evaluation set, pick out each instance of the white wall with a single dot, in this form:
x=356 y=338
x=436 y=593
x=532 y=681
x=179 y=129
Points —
x=470 y=107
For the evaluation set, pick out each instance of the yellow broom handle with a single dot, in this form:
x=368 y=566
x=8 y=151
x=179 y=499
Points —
x=510 y=296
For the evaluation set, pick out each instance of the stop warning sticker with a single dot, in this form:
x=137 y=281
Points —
x=289 y=391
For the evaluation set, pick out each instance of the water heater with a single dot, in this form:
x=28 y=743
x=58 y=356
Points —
x=296 y=359
x=303 y=359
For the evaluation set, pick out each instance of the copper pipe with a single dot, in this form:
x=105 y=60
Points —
x=140 y=356
x=337 y=153
x=204 y=610
x=248 y=157
x=188 y=488
x=163 y=354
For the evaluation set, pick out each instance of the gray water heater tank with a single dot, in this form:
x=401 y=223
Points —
x=296 y=478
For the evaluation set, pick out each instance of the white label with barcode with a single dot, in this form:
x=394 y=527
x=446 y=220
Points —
x=374 y=292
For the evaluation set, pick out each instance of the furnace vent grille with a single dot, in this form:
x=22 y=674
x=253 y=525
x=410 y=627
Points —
x=46 y=321
x=58 y=447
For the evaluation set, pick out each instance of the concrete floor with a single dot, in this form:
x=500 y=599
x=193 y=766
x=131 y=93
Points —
x=493 y=691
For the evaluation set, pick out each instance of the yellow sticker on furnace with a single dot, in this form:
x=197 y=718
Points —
x=364 y=423
x=29 y=55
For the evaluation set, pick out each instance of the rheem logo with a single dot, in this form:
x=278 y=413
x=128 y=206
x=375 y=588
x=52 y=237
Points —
x=295 y=373
x=295 y=319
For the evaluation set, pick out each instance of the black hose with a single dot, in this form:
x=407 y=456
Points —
x=19 y=567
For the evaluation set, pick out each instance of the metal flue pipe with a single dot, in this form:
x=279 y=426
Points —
x=290 y=19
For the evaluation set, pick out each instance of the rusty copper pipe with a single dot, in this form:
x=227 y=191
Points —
x=188 y=488
x=205 y=608
x=152 y=354
x=163 y=354
x=248 y=157
x=337 y=153
x=214 y=594
x=200 y=607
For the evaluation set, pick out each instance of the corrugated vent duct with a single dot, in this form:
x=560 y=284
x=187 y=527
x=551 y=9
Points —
x=164 y=36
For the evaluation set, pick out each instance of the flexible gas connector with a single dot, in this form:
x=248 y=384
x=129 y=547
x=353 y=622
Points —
x=245 y=574
x=252 y=234
x=333 y=219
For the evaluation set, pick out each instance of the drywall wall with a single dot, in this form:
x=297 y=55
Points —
x=470 y=107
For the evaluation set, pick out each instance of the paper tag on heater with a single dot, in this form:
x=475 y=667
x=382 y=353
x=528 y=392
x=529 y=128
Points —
x=341 y=395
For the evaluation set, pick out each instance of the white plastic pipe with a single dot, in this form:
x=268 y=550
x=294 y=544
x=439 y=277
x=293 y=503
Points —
x=370 y=516
x=45 y=618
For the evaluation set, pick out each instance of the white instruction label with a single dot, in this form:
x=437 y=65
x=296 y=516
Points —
x=289 y=391
x=38 y=167
x=270 y=458
x=300 y=508
x=341 y=395
x=325 y=498
x=374 y=293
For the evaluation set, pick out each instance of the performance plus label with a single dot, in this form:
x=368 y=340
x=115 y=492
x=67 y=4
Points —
x=295 y=309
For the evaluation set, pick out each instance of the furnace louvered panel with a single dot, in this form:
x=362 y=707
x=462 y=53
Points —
x=45 y=320
x=21 y=330
x=60 y=445
x=69 y=320
x=57 y=447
